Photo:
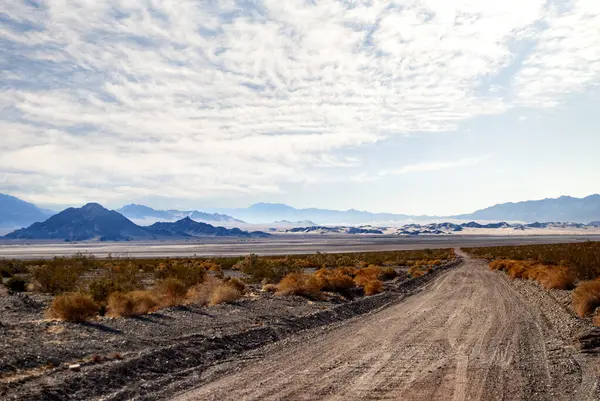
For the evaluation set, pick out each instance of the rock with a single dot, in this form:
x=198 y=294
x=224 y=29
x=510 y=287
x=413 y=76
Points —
x=75 y=367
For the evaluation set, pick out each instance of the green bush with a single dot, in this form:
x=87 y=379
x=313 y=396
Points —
x=57 y=276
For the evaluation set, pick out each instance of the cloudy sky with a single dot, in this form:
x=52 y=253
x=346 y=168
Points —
x=425 y=106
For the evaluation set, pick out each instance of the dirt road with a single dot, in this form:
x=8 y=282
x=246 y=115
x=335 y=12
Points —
x=468 y=336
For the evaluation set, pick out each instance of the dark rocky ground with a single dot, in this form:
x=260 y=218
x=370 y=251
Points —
x=124 y=358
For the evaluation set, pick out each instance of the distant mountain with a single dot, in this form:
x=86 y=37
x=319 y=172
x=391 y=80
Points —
x=144 y=214
x=15 y=212
x=303 y=223
x=91 y=221
x=189 y=228
x=564 y=209
x=94 y=222
x=269 y=212
x=594 y=224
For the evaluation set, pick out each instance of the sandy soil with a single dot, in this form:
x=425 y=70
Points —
x=471 y=335
x=276 y=245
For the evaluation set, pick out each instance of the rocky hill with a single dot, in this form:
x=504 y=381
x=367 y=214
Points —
x=90 y=222
x=94 y=222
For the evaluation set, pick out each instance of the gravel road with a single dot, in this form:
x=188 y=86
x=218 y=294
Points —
x=470 y=335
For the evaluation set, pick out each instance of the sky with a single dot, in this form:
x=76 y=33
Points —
x=418 y=107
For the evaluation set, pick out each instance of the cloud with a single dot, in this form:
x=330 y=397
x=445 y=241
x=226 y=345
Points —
x=434 y=166
x=108 y=100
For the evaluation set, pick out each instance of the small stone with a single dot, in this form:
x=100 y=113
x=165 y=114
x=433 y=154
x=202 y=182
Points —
x=76 y=367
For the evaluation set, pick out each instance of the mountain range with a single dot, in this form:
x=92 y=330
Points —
x=17 y=213
x=94 y=222
x=143 y=214
x=264 y=213
x=565 y=208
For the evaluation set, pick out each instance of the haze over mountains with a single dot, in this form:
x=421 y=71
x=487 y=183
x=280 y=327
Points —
x=17 y=213
x=143 y=214
x=94 y=222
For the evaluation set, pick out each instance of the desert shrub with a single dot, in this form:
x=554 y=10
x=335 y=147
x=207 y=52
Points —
x=236 y=283
x=334 y=280
x=224 y=293
x=373 y=287
x=266 y=270
x=101 y=288
x=556 y=278
x=299 y=284
x=202 y=293
x=582 y=259
x=73 y=307
x=133 y=303
x=57 y=277
x=172 y=291
x=189 y=273
x=549 y=277
x=586 y=297
x=16 y=284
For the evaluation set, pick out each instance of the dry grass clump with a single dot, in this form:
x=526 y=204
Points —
x=582 y=259
x=74 y=307
x=202 y=293
x=133 y=303
x=549 y=277
x=224 y=293
x=300 y=284
x=172 y=291
x=334 y=280
x=586 y=297
x=236 y=283
x=373 y=287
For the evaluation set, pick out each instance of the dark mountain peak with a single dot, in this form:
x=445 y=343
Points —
x=93 y=207
x=91 y=221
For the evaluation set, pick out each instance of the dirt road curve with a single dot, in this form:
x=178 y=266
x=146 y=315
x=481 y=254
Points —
x=468 y=336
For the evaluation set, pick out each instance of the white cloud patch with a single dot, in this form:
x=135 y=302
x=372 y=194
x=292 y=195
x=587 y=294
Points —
x=109 y=100
x=434 y=166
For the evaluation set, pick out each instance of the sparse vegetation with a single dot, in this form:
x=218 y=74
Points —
x=582 y=259
x=129 y=287
x=557 y=266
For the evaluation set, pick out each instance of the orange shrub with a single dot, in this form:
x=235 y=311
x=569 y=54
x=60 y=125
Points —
x=172 y=291
x=202 y=293
x=224 y=293
x=299 y=284
x=373 y=287
x=586 y=297
x=74 y=307
x=549 y=277
x=133 y=303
